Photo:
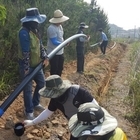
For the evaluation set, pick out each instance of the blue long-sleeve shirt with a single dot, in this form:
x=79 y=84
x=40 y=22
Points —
x=24 y=40
x=103 y=37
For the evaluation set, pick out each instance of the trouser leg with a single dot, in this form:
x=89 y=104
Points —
x=60 y=65
x=80 y=62
x=40 y=83
x=27 y=90
x=56 y=65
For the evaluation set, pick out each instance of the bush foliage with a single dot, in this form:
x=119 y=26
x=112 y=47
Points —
x=77 y=10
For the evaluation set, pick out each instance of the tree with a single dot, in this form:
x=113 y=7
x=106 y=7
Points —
x=2 y=15
x=13 y=10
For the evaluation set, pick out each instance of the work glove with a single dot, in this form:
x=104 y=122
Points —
x=28 y=123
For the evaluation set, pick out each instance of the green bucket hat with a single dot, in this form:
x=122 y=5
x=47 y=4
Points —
x=55 y=87
x=91 y=120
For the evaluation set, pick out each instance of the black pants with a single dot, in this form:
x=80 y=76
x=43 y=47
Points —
x=56 y=65
x=103 y=46
x=80 y=58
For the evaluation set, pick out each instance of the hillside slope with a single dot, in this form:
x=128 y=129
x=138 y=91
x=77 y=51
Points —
x=106 y=77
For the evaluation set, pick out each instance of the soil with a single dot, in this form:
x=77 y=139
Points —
x=105 y=76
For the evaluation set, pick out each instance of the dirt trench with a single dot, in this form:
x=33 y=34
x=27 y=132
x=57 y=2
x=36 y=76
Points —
x=101 y=72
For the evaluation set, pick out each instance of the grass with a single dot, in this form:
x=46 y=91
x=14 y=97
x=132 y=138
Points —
x=6 y=83
x=134 y=85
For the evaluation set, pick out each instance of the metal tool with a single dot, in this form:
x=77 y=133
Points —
x=94 y=44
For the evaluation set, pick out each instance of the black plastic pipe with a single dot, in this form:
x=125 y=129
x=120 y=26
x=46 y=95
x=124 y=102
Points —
x=29 y=77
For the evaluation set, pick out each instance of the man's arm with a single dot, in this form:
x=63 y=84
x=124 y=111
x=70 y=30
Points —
x=24 y=40
x=55 y=41
x=44 y=115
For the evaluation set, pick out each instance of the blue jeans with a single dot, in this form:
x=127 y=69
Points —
x=32 y=100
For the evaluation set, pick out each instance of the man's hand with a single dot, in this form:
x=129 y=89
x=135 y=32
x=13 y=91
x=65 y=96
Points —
x=26 y=72
x=67 y=44
x=45 y=63
x=88 y=37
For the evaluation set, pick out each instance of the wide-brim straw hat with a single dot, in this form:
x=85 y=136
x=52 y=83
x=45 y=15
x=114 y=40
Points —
x=58 y=17
x=32 y=14
x=55 y=87
x=102 y=123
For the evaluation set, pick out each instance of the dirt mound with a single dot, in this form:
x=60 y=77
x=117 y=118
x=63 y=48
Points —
x=99 y=78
